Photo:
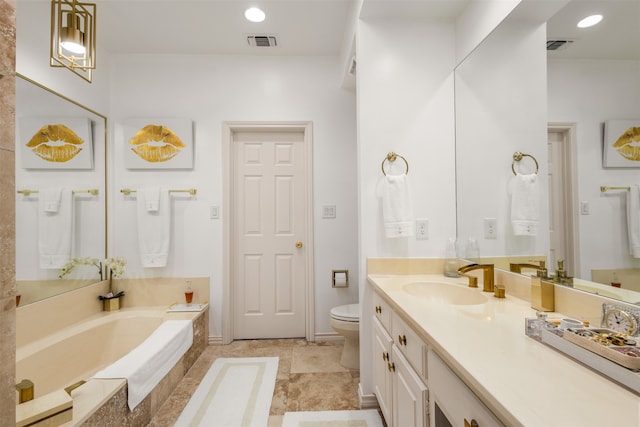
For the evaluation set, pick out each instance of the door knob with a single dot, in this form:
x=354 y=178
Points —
x=298 y=244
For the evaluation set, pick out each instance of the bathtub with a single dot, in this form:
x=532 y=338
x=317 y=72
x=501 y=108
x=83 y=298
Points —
x=77 y=352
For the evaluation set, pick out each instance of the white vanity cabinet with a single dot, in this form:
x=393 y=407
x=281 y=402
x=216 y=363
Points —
x=400 y=390
x=451 y=402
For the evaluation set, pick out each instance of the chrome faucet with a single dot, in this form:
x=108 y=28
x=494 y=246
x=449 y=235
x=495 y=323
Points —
x=487 y=278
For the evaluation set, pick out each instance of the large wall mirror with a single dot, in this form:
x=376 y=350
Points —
x=591 y=79
x=61 y=193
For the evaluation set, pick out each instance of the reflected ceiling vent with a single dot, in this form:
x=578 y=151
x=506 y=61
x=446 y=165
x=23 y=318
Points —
x=558 y=44
x=262 y=41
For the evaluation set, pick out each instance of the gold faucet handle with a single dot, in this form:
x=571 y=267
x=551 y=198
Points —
x=473 y=281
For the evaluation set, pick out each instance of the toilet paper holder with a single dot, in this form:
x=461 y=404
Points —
x=339 y=278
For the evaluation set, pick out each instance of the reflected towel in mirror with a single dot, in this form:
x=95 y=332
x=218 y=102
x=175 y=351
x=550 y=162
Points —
x=633 y=220
x=525 y=204
x=55 y=227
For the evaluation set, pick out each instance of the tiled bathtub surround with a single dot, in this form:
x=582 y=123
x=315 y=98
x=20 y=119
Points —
x=36 y=322
x=7 y=209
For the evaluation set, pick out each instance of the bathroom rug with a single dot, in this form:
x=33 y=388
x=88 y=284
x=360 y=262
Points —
x=360 y=418
x=235 y=392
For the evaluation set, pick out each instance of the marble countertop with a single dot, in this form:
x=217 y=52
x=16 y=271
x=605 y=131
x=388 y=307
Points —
x=523 y=381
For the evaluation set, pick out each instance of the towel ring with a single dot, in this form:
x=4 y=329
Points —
x=392 y=157
x=517 y=156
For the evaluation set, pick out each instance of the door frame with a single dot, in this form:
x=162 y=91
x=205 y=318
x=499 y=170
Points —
x=228 y=294
x=569 y=166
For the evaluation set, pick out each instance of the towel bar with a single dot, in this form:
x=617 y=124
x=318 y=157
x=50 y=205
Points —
x=191 y=191
x=392 y=157
x=604 y=188
x=517 y=156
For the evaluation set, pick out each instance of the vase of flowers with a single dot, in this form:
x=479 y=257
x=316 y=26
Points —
x=114 y=268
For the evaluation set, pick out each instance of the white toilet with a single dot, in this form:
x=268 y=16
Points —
x=345 y=320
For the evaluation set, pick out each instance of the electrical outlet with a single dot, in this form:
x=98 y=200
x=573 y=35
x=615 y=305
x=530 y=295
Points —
x=490 y=228
x=422 y=229
x=329 y=211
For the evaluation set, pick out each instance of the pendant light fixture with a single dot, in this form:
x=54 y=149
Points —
x=73 y=30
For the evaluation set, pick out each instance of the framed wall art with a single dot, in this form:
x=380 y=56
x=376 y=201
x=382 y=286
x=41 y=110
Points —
x=621 y=148
x=55 y=142
x=158 y=143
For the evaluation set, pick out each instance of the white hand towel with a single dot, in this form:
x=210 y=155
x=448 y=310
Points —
x=525 y=204
x=146 y=365
x=633 y=220
x=50 y=199
x=55 y=228
x=154 y=229
x=152 y=198
x=397 y=209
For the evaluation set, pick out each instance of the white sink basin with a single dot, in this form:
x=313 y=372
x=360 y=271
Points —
x=446 y=293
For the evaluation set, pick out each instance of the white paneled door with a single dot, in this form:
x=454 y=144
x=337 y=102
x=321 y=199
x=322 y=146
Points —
x=270 y=216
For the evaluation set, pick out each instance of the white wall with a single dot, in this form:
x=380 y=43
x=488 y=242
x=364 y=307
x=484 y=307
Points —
x=589 y=92
x=405 y=104
x=210 y=90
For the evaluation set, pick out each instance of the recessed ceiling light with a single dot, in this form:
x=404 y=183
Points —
x=589 y=21
x=254 y=14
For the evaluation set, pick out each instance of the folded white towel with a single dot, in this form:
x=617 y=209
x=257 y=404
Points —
x=50 y=199
x=397 y=209
x=146 y=365
x=633 y=220
x=55 y=227
x=525 y=204
x=154 y=229
x=152 y=198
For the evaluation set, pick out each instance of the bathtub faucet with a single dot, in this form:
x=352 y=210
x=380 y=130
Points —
x=487 y=278
x=25 y=389
x=74 y=386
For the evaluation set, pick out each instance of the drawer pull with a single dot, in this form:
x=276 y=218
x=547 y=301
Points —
x=473 y=423
x=378 y=309
x=391 y=366
x=385 y=356
x=402 y=339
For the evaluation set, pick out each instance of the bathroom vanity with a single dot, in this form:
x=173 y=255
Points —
x=446 y=354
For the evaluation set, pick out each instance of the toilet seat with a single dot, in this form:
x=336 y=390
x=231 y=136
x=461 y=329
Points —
x=346 y=313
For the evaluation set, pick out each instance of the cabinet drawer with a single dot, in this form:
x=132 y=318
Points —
x=382 y=311
x=409 y=344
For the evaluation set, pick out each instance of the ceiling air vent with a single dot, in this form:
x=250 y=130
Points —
x=558 y=44
x=262 y=41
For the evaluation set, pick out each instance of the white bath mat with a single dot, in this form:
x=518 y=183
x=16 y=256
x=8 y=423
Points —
x=235 y=392
x=364 y=418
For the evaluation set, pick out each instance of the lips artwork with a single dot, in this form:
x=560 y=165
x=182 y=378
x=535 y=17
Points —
x=628 y=144
x=156 y=143
x=55 y=143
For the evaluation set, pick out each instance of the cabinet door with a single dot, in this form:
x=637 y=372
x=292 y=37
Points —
x=382 y=375
x=456 y=401
x=410 y=395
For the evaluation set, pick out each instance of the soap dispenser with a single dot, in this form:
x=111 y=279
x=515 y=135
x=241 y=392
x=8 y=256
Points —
x=542 y=290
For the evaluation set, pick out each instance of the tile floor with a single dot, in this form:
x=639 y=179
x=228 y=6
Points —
x=310 y=378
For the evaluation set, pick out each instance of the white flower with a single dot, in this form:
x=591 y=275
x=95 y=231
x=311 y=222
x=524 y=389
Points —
x=116 y=266
x=80 y=261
